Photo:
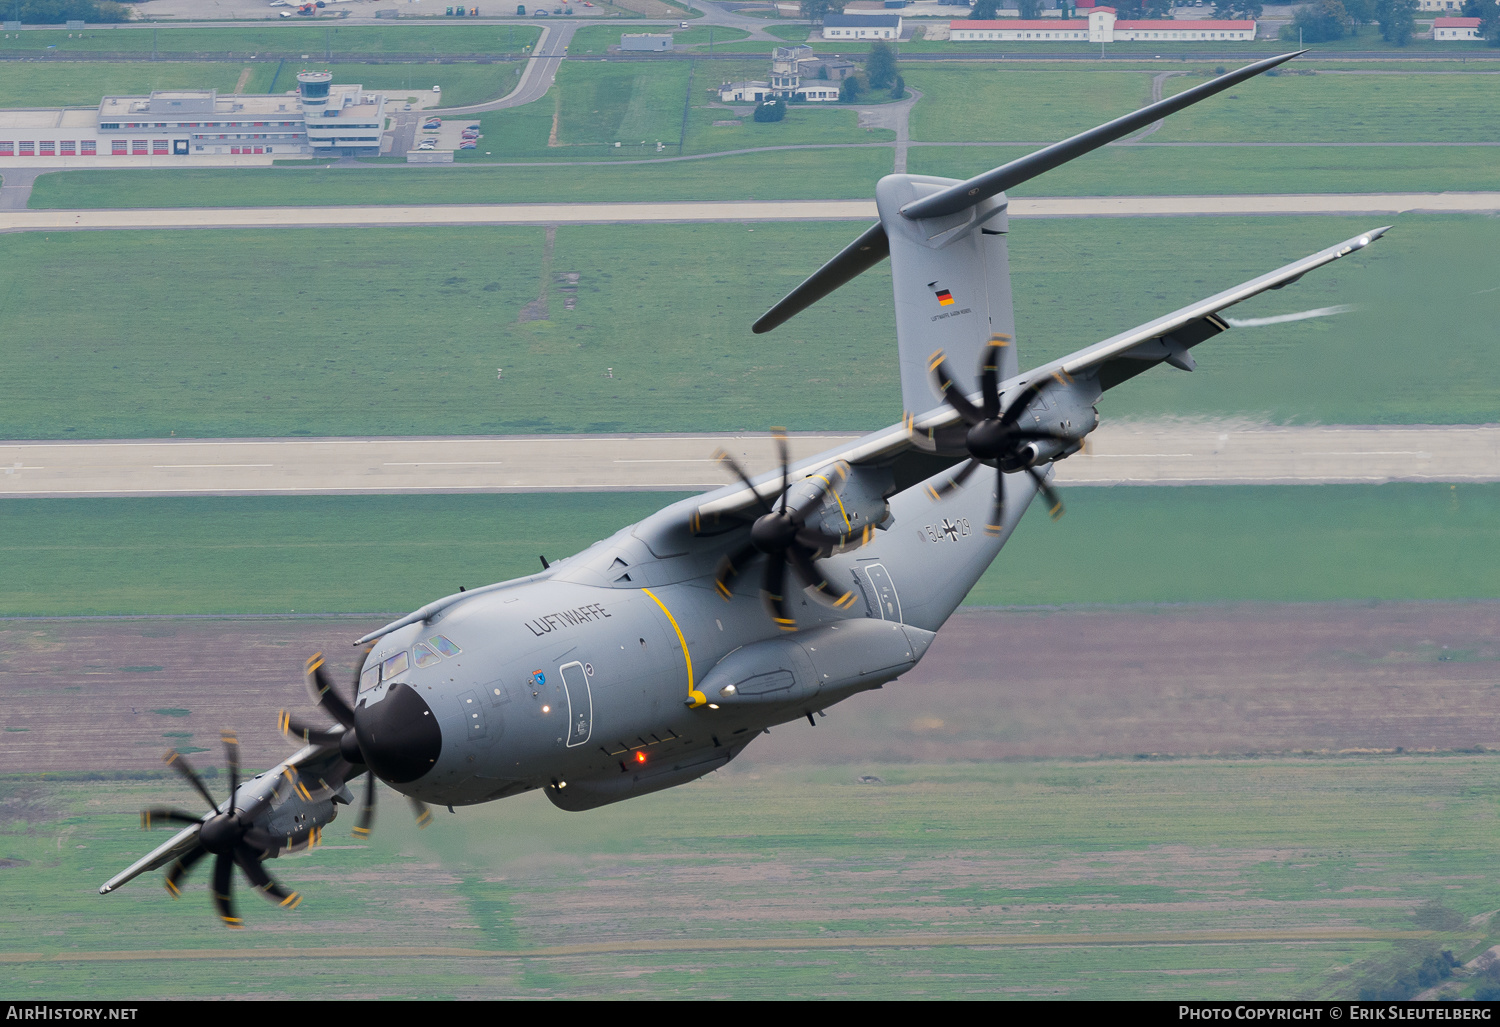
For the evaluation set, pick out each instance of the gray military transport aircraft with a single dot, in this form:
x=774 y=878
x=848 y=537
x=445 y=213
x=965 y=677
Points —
x=655 y=656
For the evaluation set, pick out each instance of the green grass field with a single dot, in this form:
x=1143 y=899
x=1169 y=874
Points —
x=336 y=554
x=32 y=84
x=288 y=41
x=398 y=331
x=835 y=173
x=596 y=104
x=1000 y=103
x=814 y=174
x=1340 y=107
x=597 y=39
x=1123 y=170
x=1065 y=849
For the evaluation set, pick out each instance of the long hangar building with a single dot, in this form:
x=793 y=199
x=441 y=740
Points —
x=319 y=119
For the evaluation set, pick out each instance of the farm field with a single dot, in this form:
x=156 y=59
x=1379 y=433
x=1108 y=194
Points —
x=1229 y=679
x=288 y=41
x=1271 y=855
x=676 y=328
x=812 y=174
x=322 y=554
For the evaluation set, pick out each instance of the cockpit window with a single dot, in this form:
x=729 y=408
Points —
x=442 y=645
x=424 y=656
x=370 y=678
x=395 y=665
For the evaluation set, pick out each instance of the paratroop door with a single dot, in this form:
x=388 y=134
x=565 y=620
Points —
x=575 y=678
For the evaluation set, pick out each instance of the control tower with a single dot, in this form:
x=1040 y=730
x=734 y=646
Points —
x=312 y=89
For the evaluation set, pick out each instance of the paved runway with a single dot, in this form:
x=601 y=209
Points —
x=1119 y=454
x=728 y=210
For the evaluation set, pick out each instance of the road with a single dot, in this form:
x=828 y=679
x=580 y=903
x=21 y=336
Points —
x=1206 y=453
x=727 y=210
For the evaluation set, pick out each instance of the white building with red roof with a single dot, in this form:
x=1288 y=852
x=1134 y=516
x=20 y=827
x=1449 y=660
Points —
x=1455 y=28
x=1102 y=26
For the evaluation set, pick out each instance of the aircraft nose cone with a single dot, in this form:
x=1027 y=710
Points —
x=399 y=735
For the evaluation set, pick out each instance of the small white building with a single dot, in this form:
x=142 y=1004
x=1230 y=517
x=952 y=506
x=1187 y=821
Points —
x=1440 y=5
x=862 y=26
x=1101 y=27
x=647 y=42
x=787 y=81
x=1456 y=28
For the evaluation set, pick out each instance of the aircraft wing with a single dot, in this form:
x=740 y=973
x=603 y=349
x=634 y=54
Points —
x=1114 y=360
x=307 y=758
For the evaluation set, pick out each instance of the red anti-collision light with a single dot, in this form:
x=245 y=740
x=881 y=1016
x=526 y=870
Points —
x=640 y=757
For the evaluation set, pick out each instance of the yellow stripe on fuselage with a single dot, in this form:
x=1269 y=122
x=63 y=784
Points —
x=698 y=697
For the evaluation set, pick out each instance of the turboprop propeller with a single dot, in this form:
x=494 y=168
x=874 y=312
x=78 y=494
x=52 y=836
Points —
x=995 y=436
x=226 y=833
x=782 y=534
x=343 y=737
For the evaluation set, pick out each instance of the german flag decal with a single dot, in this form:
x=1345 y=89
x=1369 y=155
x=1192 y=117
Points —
x=944 y=297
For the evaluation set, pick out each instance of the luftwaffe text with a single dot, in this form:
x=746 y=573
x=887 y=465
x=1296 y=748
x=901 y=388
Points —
x=566 y=619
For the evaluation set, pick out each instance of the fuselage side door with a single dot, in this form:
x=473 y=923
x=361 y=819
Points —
x=575 y=678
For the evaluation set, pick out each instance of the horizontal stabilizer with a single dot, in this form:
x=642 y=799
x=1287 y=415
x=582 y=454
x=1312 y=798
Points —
x=992 y=183
x=852 y=261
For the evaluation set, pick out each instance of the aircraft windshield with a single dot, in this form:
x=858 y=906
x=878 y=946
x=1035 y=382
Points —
x=442 y=645
x=424 y=656
x=395 y=665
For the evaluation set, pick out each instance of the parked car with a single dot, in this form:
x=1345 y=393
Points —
x=433 y=123
x=540 y=14
x=468 y=146
x=427 y=144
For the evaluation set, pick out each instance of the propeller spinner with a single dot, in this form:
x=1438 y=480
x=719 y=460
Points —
x=228 y=835
x=781 y=533
x=996 y=437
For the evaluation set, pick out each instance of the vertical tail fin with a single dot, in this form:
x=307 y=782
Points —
x=952 y=285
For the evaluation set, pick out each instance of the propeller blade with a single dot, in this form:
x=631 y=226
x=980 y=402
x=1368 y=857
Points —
x=817 y=584
x=161 y=816
x=771 y=587
x=955 y=481
x=989 y=373
x=728 y=461
x=223 y=886
x=366 y=821
x=997 y=512
x=179 y=763
x=181 y=867
x=1054 y=501
x=779 y=434
x=232 y=760
x=952 y=394
x=295 y=730
x=320 y=684
x=249 y=861
x=731 y=565
x=258 y=840
x=420 y=811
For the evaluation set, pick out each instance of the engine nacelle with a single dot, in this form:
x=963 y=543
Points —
x=856 y=502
